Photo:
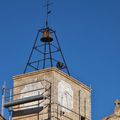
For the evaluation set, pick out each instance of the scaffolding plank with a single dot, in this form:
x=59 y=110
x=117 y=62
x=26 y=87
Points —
x=24 y=100
x=27 y=111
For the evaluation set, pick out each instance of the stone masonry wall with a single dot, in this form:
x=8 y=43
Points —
x=81 y=96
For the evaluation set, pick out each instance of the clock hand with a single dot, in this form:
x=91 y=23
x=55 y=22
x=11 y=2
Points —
x=68 y=93
x=66 y=98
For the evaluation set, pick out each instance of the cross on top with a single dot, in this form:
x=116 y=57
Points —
x=117 y=103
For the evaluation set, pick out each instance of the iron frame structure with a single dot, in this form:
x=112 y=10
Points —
x=44 y=60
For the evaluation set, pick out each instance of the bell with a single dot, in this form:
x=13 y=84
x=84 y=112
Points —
x=60 y=65
x=46 y=36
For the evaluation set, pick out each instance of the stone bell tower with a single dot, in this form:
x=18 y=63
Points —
x=46 y=91
x=49 y=94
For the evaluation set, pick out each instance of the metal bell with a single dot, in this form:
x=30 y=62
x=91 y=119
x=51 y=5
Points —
x=60 y=65
x=46 y=36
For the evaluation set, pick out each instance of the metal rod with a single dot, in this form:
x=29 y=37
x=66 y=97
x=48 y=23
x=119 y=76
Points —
x=9 y=115
x=39 y=45
x=3 y=98
x=38 y=50
x=79 y=104
x=44 y=56
x=62 y=53
x=30 y=83
x=30 y=91
x=85 y=107
x=33 y=67
x=38 y=65
x=10 y=108
x=53 y=51
x=50 y=54
x=38 y=61
x=31 y=52
x=54 y=46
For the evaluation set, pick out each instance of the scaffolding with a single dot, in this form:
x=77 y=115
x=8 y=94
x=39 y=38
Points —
x=26 y=99
x=34 y=99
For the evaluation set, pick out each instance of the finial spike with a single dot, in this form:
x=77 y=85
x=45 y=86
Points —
x=50 y=52
x=47 y=11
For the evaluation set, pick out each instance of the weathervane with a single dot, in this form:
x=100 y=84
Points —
x=47 y=11
x=46 y=51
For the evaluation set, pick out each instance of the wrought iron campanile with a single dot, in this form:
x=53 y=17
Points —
x=47 y=94
x=46 y=51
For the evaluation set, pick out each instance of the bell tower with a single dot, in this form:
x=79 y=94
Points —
x=46 y=51
x=48 y=92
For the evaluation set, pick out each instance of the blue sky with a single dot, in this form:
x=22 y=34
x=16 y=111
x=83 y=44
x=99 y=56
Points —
x=89 y=33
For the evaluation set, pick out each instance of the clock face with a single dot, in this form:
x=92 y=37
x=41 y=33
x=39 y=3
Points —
x=65 y=96
x=29 y=90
